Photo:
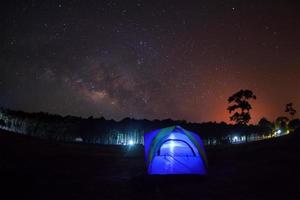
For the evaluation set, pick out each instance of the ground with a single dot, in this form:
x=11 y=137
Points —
x=40 y=169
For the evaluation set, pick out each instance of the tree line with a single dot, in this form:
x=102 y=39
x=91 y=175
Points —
x=104 y=131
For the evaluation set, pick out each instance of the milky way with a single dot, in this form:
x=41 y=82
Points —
x=149 y=59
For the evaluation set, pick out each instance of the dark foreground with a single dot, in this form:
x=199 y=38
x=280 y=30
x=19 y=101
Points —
x=37 y=169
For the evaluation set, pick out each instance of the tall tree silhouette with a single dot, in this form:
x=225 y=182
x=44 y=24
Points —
x=241 y=106
x=290 y=110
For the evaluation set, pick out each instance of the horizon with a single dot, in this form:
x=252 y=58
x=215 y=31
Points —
x=119 y=120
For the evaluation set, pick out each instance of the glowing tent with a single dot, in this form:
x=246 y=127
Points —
x=174 y=150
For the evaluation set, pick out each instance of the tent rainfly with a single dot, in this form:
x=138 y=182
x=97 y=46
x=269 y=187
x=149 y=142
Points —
x=174 y=150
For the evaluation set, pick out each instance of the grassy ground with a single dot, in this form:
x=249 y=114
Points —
x=39 y=169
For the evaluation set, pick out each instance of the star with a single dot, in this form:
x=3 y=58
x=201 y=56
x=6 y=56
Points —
x=168 y=59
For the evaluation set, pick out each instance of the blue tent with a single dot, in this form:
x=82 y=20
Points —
x=174 y=150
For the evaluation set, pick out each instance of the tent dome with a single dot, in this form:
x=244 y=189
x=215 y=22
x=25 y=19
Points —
x=174 y=150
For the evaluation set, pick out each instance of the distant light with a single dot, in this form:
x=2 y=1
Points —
x=131 y=142
x=288 y=131
x=78 y=139
x=278 y=131
x=235 y=139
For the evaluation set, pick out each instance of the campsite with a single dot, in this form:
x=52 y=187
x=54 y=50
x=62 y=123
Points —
x=149 y=100
x=39 y=169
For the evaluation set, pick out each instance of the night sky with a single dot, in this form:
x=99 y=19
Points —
x=149 y=59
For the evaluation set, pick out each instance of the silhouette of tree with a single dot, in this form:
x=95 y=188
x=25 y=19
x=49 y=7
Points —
x=294 y=124
x=103 y=131
x=265 y=122
x=241 y=106
x=290 y=110
x=265 y=125
x=282 y=123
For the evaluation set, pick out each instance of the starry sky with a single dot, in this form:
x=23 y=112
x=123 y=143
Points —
x=149 y=59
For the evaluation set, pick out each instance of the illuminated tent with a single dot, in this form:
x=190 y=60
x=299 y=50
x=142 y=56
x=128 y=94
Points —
x=174 y=150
